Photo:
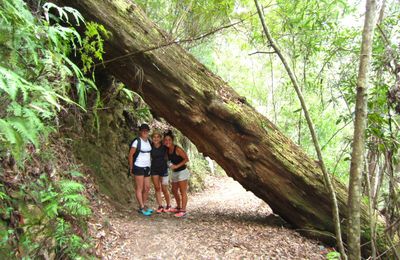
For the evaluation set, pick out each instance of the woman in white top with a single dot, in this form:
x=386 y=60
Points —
x=139 y=165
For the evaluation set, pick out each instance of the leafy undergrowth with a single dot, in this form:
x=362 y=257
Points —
x=44 y=208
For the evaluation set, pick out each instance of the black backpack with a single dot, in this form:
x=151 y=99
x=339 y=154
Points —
x=136 y=154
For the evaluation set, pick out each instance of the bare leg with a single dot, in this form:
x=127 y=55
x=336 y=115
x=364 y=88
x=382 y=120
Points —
x=175 y=191
x=183 y=186
x=157 y=188
x=166 y=193
x=146 y=189
x=139 y=190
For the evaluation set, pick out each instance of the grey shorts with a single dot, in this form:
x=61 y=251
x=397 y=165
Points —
x=165 y=180
x=180 y=175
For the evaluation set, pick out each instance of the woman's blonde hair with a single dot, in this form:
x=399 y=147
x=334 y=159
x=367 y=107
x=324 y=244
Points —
x=156 y=132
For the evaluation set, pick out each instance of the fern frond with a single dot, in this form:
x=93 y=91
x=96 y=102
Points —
x=24 y=129
x=15 y=109
x=10 y=135
x=51 y=209
x=9 y=83
x=61 y=13
x=12 y=139
x=34 y=119
x=69 y=187
x=74 y=197
x=43 y=109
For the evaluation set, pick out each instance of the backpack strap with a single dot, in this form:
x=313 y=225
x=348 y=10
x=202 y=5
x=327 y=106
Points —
x=136 y=154
x=138 y=148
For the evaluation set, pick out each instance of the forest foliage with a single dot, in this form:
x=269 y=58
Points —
x=43 y=205
x=322 y=41
x=46 y=66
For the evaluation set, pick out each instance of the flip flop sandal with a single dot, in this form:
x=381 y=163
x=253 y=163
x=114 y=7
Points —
x=180 y=214
x=144 y=212
x=160 y=209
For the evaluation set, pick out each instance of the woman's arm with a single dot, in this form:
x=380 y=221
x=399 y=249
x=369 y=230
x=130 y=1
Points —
x=130 y=159
x=182 y=154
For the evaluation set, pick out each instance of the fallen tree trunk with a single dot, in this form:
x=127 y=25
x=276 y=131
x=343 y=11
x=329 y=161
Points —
x=216 y=119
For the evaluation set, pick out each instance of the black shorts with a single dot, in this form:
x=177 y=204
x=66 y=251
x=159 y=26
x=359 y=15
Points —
x=159 y=173
x=141 y=171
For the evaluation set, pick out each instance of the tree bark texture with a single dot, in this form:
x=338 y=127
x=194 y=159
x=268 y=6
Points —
x=360 y=123
x=215 y=118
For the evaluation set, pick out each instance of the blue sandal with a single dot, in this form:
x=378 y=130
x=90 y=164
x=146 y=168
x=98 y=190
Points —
x=144 y=212
x=149 y=210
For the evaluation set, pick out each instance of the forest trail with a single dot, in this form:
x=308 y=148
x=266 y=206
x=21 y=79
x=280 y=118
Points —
x=225 y=222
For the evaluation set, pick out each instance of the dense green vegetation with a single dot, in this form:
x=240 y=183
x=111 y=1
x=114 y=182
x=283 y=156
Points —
x=42 y=201
x=46 y=71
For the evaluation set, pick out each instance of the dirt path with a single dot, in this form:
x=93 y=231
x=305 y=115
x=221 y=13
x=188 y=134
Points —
x=224 y=222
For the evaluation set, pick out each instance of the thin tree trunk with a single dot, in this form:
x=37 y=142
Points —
x=272 y=88
x=371 y=177
x=382 y=12
x=392 y=198
x=372 y=160
x=371 y=213
x=327 y=178
x=357 y=156
x=378 y=180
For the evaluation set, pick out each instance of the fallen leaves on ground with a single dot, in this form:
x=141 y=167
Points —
x=224 y=222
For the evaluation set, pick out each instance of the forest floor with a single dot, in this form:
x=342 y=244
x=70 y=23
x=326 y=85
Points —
x=224 y=222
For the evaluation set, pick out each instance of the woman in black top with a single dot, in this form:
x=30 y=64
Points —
x=159 y=172
x=180 y=175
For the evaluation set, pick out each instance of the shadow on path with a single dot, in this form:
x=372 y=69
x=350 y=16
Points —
x=224 y=222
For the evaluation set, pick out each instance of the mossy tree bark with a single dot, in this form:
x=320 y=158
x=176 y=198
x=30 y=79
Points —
x=215 y=118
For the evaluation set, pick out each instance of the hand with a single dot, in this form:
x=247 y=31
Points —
x=173 y=166
x=131 y=173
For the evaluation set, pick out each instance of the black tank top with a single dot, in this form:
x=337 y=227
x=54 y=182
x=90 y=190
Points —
x=176 y=159
x=158 y=160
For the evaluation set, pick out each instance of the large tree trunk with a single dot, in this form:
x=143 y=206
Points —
x=216 y=119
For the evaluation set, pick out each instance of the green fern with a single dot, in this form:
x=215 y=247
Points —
x=93 y=45
x=35 y=84
x=70 y=187
x=8 y=133
x=11 y=138
x=63 y=13
x=26 y=130
x=35 y=71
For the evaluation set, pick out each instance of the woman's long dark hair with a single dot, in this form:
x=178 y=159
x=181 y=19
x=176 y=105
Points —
x=170 y=134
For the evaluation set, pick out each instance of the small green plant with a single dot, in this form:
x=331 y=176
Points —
x=333 y=255
x=93 y=45
x=60 y=209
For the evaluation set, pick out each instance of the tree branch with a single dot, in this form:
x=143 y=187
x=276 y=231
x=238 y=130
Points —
x=166 y=44
x=262 y=52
